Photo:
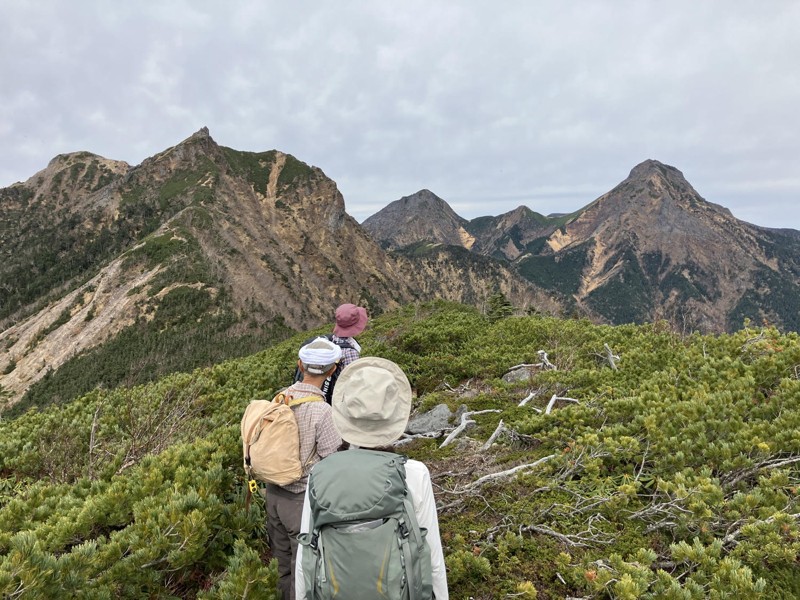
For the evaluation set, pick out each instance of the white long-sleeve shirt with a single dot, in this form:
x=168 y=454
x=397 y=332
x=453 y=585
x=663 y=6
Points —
x=418 y=479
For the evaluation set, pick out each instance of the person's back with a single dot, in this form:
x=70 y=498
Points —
x=367 y=486
x=318 y=438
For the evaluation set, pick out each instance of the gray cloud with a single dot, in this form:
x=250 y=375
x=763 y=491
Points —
x=490 y=106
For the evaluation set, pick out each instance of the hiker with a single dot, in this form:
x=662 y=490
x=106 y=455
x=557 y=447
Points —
x=350 y=492
x=318 y=438
x=350 y=321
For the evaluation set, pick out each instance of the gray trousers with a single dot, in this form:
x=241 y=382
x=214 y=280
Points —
x=284 y=511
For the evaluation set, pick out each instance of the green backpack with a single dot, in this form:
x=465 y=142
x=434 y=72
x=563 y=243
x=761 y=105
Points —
x=364 y=541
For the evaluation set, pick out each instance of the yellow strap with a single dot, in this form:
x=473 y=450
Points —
x=281 y=399
x=297 y=401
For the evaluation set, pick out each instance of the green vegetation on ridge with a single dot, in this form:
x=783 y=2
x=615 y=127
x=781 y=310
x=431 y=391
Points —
x=673 y=475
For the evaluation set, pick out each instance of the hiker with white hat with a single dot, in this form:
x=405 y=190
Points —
x=318 y=438
x=369 y=524
x=350 y=321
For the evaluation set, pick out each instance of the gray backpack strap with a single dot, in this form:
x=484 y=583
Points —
x=413 y=571
x=309 y=541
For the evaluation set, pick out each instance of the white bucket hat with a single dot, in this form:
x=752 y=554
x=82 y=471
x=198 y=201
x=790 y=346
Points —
x=371 y=402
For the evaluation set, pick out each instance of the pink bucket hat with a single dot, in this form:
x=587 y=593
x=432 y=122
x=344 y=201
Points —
x=350 y=320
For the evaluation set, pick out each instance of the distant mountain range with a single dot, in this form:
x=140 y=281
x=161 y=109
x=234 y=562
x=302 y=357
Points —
x=116 y=274
x=650 y=249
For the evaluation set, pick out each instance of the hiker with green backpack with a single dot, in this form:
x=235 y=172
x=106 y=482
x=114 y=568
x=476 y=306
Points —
x=281 y=445
x=369 y=524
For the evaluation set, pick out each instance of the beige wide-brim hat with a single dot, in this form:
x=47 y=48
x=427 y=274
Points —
x=371 y=402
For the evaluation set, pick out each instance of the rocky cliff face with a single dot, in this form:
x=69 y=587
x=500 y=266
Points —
x=264 y=236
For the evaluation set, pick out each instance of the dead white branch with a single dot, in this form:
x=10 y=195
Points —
x=546 y=363
x=524 y=366
x=497 y=432
x=753 y=340
x=92 y=441
x=775 y=463
x=465 y=421
x=731 y=537
x=555 y=399
x=527 y=399
x=611 y=357
x=578 y=540
x=508 y=473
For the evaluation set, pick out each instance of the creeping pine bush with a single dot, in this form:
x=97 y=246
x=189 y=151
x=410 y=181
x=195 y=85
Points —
x=673 y=473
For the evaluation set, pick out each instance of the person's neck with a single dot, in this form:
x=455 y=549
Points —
x=315 y=380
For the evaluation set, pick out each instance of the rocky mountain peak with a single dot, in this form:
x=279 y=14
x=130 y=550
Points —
x=650 y=168
x=424 y=200
x=420 y=217
x=654 y=192
x=200 y=140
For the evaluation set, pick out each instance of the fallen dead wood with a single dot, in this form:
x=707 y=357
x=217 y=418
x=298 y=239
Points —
x=555 y=399
x=611 y=357
x=407 y=438
x=465 y=421
x=507 y=473
x=497 y=432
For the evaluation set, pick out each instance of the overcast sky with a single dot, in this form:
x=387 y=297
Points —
x=490 y=105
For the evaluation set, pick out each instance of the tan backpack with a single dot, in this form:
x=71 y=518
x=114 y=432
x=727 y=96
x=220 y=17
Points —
x=271 y=441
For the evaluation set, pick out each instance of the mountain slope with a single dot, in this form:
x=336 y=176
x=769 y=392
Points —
x=654 y=248
x=508 y=235
x=250 y=246
x=198 y=254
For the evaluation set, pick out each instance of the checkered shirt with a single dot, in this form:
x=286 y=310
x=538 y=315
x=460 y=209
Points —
x=348 y=354
x=315 y=424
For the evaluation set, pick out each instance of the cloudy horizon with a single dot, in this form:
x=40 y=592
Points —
x=546 y=104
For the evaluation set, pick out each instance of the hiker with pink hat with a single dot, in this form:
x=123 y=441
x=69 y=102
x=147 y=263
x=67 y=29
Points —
x=350 y=321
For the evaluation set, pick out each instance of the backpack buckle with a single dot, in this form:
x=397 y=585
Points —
x=313 y=542
x=253 y=486
x=402 y=529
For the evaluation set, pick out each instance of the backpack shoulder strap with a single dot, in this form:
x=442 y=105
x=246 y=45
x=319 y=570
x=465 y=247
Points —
x=283 y=398
x=343 y=344
x=304 y=399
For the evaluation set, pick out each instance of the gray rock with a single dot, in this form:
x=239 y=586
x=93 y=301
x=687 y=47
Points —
x=435 y=419
x=521 y=374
